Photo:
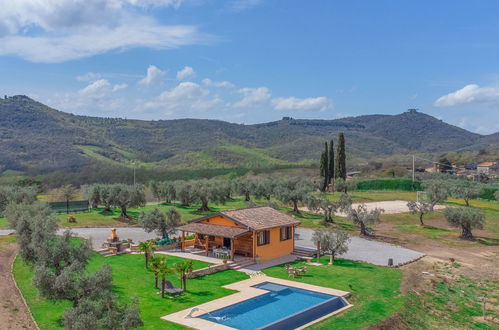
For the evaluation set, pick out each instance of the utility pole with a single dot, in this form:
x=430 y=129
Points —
x=134 y=173
x=413 y=169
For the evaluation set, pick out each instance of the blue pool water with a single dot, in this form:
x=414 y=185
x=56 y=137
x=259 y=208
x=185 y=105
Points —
x=283 y=307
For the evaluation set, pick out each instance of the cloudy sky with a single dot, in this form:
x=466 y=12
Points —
x=251 y=61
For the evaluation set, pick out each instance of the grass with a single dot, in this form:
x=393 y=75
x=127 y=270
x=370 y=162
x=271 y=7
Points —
x=375 y=290
x=372 y=303
x=131 y=279
x=409 y=224
x=430 y=310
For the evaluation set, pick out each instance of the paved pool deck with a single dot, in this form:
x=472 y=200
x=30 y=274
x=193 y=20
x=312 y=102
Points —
x=245 y=291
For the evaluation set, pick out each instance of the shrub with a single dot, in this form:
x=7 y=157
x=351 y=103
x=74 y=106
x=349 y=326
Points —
x=389 y=184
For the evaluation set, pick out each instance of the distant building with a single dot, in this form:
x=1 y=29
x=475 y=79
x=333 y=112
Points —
x=487 y=168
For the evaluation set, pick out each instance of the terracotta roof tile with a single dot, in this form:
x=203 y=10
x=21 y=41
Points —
x=259 y=218
x=212 y=230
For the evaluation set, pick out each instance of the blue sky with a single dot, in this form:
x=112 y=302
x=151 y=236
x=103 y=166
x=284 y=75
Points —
x=251 y=61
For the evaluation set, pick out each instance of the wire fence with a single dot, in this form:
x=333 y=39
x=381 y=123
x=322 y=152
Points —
x=71 y=206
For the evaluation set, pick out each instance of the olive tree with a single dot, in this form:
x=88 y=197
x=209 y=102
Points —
x=92 y=193
x=167 y=191
x=293 y=190
x=342 y=185
x=466 y=190
x=245 y=186
x=16 y=194
x=125 y=196
x=332 y=242
x=164 y=224
x=328 y=207
x=467 y=218
x=206 y=191
x=105 y=312
x=185 y=193
x=66 y=193
x=420 y=208
x=72 y=283
x=363 y=217
x=264 y=188
x=437 y=191
x=34 y=225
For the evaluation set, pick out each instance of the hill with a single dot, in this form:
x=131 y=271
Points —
x=39 y=139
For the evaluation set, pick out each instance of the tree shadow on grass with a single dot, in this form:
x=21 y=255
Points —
x=489 y=241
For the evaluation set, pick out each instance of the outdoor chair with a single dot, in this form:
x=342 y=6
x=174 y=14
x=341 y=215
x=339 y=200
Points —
x=302 y=270
x=170 y=289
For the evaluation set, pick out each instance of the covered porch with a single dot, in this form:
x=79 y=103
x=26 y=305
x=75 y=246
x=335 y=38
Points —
x=218 y=241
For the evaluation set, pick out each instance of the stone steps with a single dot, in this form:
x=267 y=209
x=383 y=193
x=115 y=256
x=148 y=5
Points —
x=303 y=253
x=241 y=264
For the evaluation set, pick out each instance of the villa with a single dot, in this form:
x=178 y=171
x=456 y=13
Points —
x=260 y=233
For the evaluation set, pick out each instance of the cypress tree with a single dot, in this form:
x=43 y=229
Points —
x=324 y=167
x=331 y=161
x=341 y=168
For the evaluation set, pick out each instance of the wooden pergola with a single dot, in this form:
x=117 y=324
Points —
x=212 y=230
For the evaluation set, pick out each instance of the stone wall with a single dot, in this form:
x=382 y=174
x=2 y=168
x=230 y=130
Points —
x=208 y=270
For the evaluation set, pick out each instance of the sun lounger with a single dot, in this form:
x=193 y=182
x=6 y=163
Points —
x=172 y=289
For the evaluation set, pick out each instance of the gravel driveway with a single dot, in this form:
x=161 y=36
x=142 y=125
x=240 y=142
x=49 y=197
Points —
x=360 y=249
x=365 y=250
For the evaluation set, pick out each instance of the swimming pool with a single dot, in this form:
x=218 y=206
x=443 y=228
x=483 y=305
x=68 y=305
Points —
x=283 y=307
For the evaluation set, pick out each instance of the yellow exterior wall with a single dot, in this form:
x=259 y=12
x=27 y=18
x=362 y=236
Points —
x=276 y=248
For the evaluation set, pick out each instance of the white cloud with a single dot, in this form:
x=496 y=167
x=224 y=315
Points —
x=100 y=88
x=60 y=30
x=154 y=75
x=184 y=98
x=89 y=76
x=253 y=97
x=186 y=72
x=308 y=104
x=467 y=95
x=119 y=86
x=210 y=83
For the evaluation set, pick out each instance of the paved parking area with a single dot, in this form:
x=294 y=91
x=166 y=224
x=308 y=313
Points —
x=365 y=250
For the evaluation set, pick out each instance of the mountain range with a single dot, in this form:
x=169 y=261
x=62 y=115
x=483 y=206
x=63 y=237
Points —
x=37 y=138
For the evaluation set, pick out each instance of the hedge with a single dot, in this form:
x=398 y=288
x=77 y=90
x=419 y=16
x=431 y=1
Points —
x=389 y=184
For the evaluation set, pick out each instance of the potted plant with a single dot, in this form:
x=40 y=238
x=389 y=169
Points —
x=225 y=258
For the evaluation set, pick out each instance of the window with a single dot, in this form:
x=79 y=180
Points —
x=263 y=237
x=286 y=233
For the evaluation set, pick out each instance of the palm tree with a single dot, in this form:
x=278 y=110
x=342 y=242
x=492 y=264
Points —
x=183 y=268
x=154 y=263
x=147 y=247
x=163 y=270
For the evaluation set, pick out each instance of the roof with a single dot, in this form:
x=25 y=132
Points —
x=258 y=218
x=486 y=164
x=212 y=230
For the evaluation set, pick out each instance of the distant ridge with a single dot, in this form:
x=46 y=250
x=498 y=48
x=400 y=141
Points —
x=40 y=139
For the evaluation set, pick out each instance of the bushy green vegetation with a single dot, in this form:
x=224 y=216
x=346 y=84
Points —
x=131 y=279
x=389 y=184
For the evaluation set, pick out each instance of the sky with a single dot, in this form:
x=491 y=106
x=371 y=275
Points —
x=252 y=61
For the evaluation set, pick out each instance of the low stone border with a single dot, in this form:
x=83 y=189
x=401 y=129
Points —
x=207 y=271
x=20 y=292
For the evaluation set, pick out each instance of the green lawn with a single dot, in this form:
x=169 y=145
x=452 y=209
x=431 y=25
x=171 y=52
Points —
x=131 y=279
x=409 y=223
x=372 y=302
x=375 y=290
x=359 y=196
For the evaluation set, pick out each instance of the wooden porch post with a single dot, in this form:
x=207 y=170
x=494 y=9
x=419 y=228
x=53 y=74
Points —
x=232 y=249
x=207 y=244
x=182 y=244
x=254 y=245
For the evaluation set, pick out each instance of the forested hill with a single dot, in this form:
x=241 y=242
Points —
x=37 y=138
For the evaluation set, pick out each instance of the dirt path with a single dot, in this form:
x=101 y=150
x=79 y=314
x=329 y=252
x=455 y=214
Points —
x=389 y=207
x=13 y=312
